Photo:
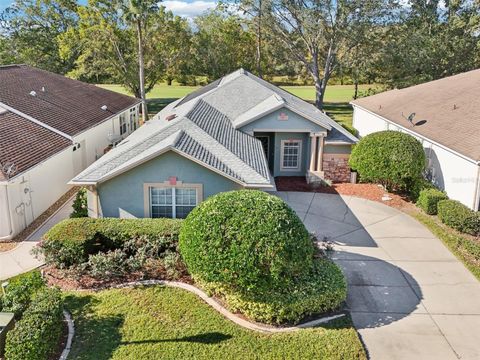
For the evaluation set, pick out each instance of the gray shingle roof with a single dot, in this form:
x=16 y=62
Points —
x=205 y=129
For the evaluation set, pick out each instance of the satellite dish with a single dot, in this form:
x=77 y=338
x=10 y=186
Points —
x=9 y=169
x=410 y=117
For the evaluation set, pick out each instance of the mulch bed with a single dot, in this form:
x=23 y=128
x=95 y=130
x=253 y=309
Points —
x=66 y=281
x=372 y=192
x=62 y=342
x=8 y=245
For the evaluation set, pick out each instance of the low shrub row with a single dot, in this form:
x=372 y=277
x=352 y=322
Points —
x=37 y=334
x=322 y=290
x=429 y=198
x=72 y=241
x=456 y=215
x=20 y=291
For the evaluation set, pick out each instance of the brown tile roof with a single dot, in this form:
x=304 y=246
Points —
x=25 y=144
x=450 y=106
x=67 y=105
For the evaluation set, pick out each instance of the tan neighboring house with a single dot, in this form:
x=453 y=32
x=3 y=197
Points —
x=51 y=128
x=445 y=116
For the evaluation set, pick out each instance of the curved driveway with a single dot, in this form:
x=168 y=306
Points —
x=409 y=297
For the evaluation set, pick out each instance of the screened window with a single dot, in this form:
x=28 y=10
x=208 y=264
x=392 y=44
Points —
x=291 y=150
x=133 y=119
x=123 y=123
x=172 y=202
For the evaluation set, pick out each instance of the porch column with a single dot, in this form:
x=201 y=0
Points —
x=313 y=151
x=320 y=153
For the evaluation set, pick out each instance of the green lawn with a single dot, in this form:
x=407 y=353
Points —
x=167 y=323
x=337 y=97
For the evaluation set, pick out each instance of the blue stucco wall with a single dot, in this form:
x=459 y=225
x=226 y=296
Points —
x=337 y=149
x=123 y=195
x=305 y=160
x=271 y=122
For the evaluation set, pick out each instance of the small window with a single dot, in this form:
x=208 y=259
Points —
x=123 y=123
x=171 y=202
x=291 y=154
x=133 y=119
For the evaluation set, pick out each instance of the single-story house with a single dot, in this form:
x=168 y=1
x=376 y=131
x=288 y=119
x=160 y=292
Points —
x=237 y=132
x=51 y=128
x=444 y=115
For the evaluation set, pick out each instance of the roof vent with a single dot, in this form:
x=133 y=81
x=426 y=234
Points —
x=43 y=88
x=2 y=110
x=104 y=107
x=171 y=117
x=33 y=93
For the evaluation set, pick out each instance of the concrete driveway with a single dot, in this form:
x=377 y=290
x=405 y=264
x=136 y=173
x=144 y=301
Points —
x=409 y=297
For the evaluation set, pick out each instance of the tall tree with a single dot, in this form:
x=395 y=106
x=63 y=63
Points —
x=108 y=46
x=318 y=33
x=31 y=31
x=221 y=45
x=138 y=13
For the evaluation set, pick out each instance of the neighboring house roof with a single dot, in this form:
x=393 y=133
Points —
x=203 y=126
x=24 y=144
x=66 y=105
x=449 y=109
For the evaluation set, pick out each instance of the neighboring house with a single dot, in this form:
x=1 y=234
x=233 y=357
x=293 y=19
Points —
x=445 y=116
x=237 y=132
x=51 y=128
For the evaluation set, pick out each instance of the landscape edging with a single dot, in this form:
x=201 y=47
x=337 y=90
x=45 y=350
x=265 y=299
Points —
x=222 y=310
x=71 y=332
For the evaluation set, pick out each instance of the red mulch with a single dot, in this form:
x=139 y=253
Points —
x=66 y=281
x=367 y=191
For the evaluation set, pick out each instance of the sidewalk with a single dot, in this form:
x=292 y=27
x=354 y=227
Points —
x=19 y=260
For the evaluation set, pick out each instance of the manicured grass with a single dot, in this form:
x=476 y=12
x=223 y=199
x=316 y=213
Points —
x=466 y=248
x=337 y=97
x=167 y=323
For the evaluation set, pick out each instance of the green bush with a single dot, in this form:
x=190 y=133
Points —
x=456 y=215
x=428 y=200
x=391 y=158
x=20 y=291
x=247 y=240
x=72 y=241
x=80 y=208
x=415 y=186
x=36 y=336
x=321 y=290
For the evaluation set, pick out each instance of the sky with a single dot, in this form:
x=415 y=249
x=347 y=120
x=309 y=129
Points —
x=186 y=8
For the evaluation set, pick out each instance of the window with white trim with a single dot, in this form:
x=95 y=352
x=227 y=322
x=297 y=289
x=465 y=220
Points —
x=291 y=154
x=123 y=123
x=172 y=202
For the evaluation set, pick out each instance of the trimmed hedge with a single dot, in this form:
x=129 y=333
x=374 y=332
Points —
x=320 y=291
x=20 y=291
x=71 y=241
x=428 y=200
x=456 y=215
x=247 y=240
x=37 y=335
x=391 y=158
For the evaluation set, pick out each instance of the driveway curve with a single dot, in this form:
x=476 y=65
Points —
x=409 y=296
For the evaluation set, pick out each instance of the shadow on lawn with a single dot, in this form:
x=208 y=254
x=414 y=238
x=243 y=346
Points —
x=206 y=338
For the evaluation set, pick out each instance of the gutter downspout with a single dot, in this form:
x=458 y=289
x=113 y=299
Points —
x=476 y=197
x=9 y=236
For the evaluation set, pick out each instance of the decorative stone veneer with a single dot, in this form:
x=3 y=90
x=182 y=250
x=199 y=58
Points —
x=335 y=167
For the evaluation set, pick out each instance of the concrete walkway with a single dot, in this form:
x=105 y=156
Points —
x=20 y=259
x=409 y=297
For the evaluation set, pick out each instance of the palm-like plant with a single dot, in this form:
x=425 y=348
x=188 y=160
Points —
x=137 y=13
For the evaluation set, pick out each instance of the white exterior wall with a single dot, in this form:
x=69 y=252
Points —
x=34 y=191
x=451 y=172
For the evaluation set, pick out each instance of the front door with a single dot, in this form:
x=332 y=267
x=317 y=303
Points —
x=268 y=145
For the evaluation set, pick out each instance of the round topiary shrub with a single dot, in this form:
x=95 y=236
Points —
x=247 y=240
x=394 y=159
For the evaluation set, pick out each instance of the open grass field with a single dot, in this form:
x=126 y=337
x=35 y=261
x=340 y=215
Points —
x=337 y=97
x=167 y=323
